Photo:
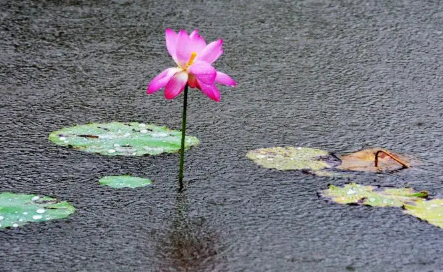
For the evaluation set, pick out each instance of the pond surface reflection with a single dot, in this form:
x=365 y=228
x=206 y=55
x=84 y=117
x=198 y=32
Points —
x=189 y=244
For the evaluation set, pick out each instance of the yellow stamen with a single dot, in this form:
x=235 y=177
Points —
x=191 y=60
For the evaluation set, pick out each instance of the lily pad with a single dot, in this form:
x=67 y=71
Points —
x=373 y=196
x=364 y=160
x=19 y=209
x=430 y=211
x=293 y=158
x=125 y=139
x=124 y=181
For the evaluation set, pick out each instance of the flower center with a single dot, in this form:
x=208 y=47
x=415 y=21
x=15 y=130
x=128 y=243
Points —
x=191 y=60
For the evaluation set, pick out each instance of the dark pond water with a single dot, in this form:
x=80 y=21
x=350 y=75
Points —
x=335 y=75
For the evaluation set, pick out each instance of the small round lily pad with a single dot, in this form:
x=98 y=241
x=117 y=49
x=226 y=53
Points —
x=19 y=209
x=293 y=158
x=125 y=139
x=428 y=210
x=124 y=181
x=372 y=196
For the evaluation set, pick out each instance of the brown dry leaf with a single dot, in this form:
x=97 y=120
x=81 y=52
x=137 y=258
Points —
x=364 y=160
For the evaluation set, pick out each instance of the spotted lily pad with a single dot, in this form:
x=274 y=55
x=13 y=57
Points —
x=126 y=139
x=373 y=196
x=293 y=158
x=364 y=160
x=19 y=209
x=430 y=211
x=124 y=181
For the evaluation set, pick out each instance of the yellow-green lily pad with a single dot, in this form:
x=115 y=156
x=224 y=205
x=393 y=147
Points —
x=19 y=209
x=293 y=158
x=372 y=196
x=428 y=210
x=125 y=139
x=124 y=181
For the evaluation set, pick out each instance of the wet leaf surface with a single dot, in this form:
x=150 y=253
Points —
x=293 y=158
x=428 y=210
x=364 y=160
x=125 y=139
x=373 y=196
x=124 y=181
x=19 y=209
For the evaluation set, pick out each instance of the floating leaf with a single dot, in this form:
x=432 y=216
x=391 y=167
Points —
x=19 y=209
x=373 y=196
x=126 y=139
x=293 y=158
x=430 y=211
x=364 y=160
x=124 y=181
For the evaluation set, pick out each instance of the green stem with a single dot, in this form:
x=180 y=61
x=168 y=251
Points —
x=182 y=149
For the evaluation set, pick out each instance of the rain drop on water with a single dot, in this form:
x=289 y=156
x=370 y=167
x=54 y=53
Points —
x=37 y=217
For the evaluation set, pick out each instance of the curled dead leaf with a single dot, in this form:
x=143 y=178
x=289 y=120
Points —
x=374 y=160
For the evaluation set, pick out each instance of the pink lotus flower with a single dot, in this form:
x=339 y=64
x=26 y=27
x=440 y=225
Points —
x=193 y=58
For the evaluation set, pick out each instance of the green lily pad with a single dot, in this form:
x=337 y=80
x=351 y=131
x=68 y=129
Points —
x=293 y=158
x=430 y=211
x=124 y=181
x=19 y=209
x=373 y=196
x=125 y=139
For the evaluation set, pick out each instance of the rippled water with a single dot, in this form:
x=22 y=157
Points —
x=334 y=75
